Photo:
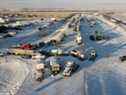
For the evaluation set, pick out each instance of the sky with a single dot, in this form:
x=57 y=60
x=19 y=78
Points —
x=67 y=4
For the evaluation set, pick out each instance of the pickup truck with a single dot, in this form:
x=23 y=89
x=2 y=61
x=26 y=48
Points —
x=78 y=54
x=70 y=68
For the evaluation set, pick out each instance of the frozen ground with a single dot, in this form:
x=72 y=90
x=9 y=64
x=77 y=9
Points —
x=105 y=76
x=29 y=35
x=12 y=74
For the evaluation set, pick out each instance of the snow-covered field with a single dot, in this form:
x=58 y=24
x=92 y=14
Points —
x=105 y=76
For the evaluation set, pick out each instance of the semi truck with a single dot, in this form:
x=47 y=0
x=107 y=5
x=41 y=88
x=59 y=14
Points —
x=24 y=53
x=28 y=46
x=57 y=37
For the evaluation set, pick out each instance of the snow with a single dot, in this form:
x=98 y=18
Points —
x=12 y=74
x=104 y=76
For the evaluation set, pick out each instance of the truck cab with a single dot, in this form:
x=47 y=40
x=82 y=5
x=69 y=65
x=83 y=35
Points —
x=55 y=67
x=39 y=74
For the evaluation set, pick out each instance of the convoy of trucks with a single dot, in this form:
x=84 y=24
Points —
x=32 y=51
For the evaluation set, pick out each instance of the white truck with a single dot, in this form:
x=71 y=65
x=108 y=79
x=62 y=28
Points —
x=39 y=74
x=78 y=54
x=70 y=68
x=78 y=39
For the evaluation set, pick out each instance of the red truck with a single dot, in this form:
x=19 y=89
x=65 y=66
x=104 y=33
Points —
x=26 y=46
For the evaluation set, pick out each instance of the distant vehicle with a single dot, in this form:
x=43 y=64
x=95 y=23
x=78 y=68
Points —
x=42 y=28
x=77 y=28
x=38 y=56
x=21 y=52
x=12 y=33
x=93 y=23
x=16 y=46
x=93 y=54
x=39 y=75
x=7 y=35
x=38 y=45
x=41 y=44
x=26 y=46
x=1 y=36
x=2 y=54
x=123 y=58
x=3 y=29
x=44 y=52
x=56 y=52
x=26 y=57
x=97 y=36
x=57 y=37
x=70 y=68
x=78 y=54
x=29 y=46
x=79 y=39
x=70 y=25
